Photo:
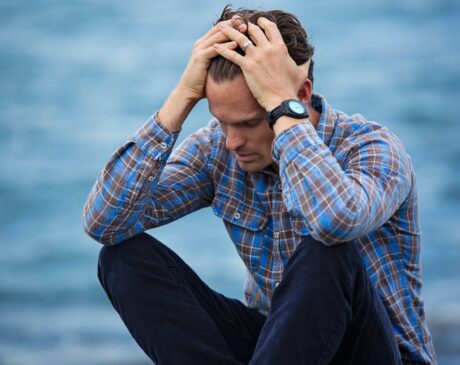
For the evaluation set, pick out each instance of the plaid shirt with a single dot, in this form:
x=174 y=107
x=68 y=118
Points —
x=350 y=179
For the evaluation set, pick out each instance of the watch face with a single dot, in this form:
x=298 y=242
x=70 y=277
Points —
x=296 y=106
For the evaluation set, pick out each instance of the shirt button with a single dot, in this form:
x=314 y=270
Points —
x=276 y=284
x=163 y=145
x=276 y=234
x=150 y=178
x=237 y=215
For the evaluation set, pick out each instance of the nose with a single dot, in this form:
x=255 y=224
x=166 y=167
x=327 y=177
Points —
x=234 y=139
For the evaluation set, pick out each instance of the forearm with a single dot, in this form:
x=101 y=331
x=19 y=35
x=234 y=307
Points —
x=176 y=109
x=343 y=199
x=115 y=208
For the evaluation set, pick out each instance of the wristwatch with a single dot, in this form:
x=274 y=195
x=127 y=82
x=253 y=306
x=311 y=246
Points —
x=292 y=108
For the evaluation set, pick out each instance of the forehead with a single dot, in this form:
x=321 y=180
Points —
x=232 y=101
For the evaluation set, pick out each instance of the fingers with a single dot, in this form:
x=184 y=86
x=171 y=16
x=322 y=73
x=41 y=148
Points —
x=205 y=42
x=212 y=52
x=238 y=23
x=235 y=35
x=262 y=34
x=271 y=30
x=218 y=37
x=259 y=38
x=229 y=54
x=215 y=29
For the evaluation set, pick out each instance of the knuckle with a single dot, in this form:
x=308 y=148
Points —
x=270 y=51
x=265 y=21
x=198 y=55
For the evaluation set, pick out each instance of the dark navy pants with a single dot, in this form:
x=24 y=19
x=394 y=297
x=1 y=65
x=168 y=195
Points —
x=324 y=311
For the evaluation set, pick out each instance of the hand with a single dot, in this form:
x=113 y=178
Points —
x=192 y=83
x=271 y=74
x=193 y=80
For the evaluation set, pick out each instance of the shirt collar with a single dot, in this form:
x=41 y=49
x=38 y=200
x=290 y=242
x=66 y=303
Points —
x=326 y=124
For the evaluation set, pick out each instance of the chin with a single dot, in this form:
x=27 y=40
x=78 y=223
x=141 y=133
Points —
x=251 y=166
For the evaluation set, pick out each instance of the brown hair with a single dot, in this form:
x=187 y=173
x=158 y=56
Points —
x=294 y=36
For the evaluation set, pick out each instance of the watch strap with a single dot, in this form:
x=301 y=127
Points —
x=284 y=109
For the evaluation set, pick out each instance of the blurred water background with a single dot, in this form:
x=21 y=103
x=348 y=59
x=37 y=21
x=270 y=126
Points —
x=78 y=77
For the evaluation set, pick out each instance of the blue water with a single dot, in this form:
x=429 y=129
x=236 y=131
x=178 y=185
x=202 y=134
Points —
x=77 y=78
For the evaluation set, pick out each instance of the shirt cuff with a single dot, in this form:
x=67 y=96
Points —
x=154 y=139
x=294 y=141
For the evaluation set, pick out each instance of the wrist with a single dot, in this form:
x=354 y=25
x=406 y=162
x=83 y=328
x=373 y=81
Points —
x=274 y=102
x=290 y=108
x=175 y=110
x=188 y=97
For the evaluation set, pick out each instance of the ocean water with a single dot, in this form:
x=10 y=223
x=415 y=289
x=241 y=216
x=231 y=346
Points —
x=77 y=78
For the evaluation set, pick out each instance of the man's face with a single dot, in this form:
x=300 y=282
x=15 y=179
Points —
x=243 y=121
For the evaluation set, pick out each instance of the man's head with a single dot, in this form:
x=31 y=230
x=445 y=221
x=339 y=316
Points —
x=294 y=36
x=242 y=119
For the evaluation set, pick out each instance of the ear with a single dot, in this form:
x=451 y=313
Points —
x=304 y=93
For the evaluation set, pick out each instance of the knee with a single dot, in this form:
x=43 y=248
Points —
x=109 y=254
x=129 y=253
x=318 y=251
x=315 y=258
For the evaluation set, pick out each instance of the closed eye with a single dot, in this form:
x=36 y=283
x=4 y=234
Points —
x=244 y=124
x=251 y=123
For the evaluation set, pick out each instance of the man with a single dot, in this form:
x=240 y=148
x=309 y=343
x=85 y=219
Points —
x=322 y=208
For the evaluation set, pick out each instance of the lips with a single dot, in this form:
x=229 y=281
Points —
x=244 y=157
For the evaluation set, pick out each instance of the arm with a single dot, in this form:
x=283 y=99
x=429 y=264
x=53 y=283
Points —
x=341 y=202
x=338 y=203
x=137 y=190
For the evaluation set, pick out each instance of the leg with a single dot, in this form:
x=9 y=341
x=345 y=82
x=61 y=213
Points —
x=326 y=311
x=171 y=313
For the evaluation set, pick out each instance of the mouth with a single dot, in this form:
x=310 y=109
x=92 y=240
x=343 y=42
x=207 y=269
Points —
x=245 y=157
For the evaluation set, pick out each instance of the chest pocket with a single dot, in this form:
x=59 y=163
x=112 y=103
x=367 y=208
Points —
x=239 y=213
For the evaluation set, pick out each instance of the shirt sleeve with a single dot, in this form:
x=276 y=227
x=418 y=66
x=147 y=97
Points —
x=145 y=185
x=339 y=202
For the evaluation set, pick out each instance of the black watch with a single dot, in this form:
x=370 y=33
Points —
x=292 y=108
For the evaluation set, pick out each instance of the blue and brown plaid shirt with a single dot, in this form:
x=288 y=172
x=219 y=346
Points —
x=350 y=179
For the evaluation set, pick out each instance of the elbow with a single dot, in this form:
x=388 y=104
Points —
x=106 y=233
x=94 y=230
x=97 y=237
x=88 y=229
